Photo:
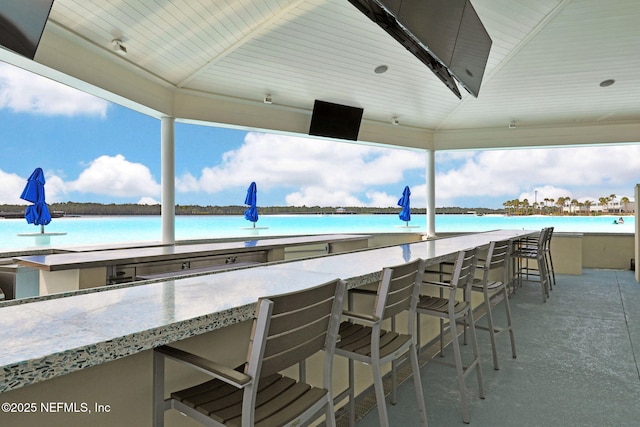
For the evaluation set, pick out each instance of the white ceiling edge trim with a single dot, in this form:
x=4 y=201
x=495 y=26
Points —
x=547 y=136
x=253 y=115
x=99 y=75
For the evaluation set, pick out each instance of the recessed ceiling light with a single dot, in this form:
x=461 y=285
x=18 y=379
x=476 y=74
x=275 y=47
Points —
x=606 y=83
x=381 y=69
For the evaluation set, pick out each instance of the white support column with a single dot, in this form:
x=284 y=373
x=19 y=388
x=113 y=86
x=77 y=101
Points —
x=431 y=193
x=167 y=160
x=637 y=234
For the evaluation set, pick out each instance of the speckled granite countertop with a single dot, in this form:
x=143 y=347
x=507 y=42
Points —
x=52 y=337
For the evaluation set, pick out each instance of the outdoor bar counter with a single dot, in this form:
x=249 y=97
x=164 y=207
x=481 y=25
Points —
x=100 y=258
x=81 y=269
x=54 y=337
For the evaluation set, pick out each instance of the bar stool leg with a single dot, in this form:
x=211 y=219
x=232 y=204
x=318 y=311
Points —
x=460 y=373
x=352 y=400
x=507 y=308
x=442 y=337
x=476 y=353
x=544 y=278
x=418 y=334
x=417 y=384
x=394 y=383
x=380 y=398
x=492 y=329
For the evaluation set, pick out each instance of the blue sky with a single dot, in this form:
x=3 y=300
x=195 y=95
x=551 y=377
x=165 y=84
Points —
x=95 y=151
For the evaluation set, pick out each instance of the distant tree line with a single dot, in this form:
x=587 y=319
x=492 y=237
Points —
x=74 y=208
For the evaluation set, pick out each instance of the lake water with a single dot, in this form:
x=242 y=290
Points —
x=112 y=229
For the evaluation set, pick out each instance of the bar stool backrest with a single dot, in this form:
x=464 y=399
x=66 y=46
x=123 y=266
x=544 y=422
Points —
x=464 y=270
x=291 y=327
x=399 y=290
x=547 y=241
x=498 y=256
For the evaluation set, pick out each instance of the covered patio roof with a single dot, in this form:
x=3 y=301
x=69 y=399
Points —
x=213 y=62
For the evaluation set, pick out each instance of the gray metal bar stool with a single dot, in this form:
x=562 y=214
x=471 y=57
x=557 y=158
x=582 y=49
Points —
x=534 y=250
x=287 y=330
x=456 y=310
x=363 y=339
x=494 y=292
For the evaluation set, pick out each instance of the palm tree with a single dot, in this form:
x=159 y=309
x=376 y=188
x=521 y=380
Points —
x=511 y=205
x=625 y=202
x=560 y=203
x=518 y=206
x=604 y=202
x=508 y=205
x=588 y=204
x=574 y=202
x=612 y=199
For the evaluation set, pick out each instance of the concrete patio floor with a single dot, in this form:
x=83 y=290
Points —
x=578 y=362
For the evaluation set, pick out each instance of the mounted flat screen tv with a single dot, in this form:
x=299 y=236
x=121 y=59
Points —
x=335 y=120
x=446 y=35
x=22 y=23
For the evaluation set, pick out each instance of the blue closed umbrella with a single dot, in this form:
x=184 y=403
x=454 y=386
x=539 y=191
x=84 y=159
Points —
x=251 y=214
x=405 y=213
x=38 y=213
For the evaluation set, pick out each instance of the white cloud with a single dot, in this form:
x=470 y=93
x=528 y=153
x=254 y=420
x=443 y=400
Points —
x=381 y=199
x=319 y=172
x=187 y=183
x=11 y=188
x=110 y=176
x=25 y=92
x=576 y=172
x=318 y=196
x=148 y=201
x=116 y=176
x=328 y=173
x=55 y=188
x=418 y=195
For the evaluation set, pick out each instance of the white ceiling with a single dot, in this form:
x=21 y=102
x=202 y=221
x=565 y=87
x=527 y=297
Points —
x=214 y=60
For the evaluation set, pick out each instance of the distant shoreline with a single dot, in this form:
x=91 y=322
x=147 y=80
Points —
x=73 y=209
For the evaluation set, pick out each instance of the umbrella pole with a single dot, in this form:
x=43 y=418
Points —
x=254 y=225
x=41 y=229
